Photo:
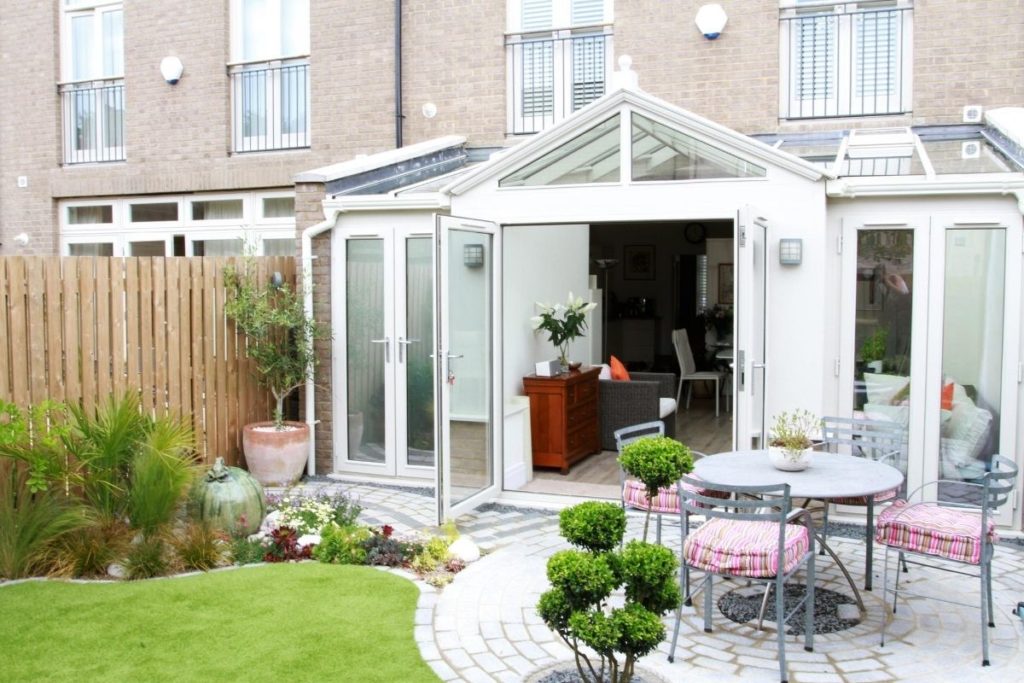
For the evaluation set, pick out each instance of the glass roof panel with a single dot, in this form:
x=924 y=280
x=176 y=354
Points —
x=663 y=153
x=591 y=157
x=965 y=156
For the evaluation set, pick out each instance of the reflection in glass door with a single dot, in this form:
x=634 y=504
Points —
x=416 y=357
x=882 y=327
x=973 y=330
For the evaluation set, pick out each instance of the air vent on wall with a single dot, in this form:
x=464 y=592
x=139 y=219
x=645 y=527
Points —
x=972 y=113
x=970 y=149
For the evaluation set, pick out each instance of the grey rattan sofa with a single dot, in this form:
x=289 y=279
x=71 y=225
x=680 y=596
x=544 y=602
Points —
x=624 y=404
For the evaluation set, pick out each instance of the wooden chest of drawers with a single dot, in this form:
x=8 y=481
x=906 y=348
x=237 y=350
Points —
x=563 y=417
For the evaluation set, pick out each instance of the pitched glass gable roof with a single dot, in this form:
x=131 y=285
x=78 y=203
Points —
x=590 y=157
x=663 y=153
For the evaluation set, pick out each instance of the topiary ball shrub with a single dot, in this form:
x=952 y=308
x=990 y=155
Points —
x=649 y=573
x=594 y=526
x=657 y=461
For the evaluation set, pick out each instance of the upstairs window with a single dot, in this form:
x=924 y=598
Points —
x=845 y=59
x=92 y=88
x=270 y=74
x=559 y=55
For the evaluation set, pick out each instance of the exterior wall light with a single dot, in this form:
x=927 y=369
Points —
x=171 y=69
x=791 y=251
x=711 y=20
x=473 y=255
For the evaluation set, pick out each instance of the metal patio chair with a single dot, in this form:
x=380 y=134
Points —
x=873 y=439
x=747 y=541
x=634 y=493
x=960 y=533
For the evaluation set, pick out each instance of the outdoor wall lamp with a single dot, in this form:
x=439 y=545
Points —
x=171 y=69
x=791 y=251
x=473 y=255
x=711 y=20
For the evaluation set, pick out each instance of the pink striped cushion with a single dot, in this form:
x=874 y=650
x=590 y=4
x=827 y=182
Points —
x=863 y=500
x=744 y=548
x=634 y=494
x=934 y=530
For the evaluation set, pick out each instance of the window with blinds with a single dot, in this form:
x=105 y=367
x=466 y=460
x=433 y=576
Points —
x=559 y=58
x=845 y=59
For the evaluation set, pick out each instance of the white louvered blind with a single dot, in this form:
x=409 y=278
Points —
x=588 y=65
x=816 y=45
x=877 y=51
x=587 y=12
x=537 y=15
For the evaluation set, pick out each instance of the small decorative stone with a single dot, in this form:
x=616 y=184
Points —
x=116 y=571
x=465 y=549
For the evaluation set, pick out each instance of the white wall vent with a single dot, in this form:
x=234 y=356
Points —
x=973 y=112
x=970 y=149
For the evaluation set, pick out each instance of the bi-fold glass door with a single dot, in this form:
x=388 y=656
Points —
x=384 y=380
x=750 y=370
x=930 y=335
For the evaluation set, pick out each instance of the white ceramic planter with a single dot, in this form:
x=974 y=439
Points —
x=789 y=461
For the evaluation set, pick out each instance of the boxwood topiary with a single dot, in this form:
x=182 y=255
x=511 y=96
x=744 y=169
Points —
x=658 y=462
x=594 y=526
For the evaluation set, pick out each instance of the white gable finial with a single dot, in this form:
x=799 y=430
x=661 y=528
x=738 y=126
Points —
x=625 y=77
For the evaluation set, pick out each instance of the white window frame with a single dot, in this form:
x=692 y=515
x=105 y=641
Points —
x=844 y=101
x=274 y=58
x=71 y=10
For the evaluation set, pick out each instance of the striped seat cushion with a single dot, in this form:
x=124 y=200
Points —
x=933 y=530
x=744 y=548
x=863 y=500
x=634 y=494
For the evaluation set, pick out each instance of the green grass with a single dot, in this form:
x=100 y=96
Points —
x=287 y=622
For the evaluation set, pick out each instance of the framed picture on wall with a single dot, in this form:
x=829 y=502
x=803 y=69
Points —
x=725 y=293
x=638 y=260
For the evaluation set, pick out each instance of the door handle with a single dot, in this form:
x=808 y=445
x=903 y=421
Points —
x=758 y=366
x=454 y=355
x=386 y=341
x=402 y=343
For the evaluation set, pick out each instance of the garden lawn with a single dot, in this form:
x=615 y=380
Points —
x=282 y=622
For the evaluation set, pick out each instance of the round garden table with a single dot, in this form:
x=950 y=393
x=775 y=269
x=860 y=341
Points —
x=830 y=475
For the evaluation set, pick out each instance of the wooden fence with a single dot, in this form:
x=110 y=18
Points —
x=81 y=329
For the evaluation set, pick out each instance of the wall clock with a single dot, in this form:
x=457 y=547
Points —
x=695 y=233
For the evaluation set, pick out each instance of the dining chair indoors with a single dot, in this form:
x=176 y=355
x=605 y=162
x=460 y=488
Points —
x=753 y=540
x=873 y=439
x=634 y=493
x=688 y=370
x=959 y=533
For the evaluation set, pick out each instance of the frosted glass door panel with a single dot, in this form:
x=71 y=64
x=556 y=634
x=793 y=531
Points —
x=364 y=304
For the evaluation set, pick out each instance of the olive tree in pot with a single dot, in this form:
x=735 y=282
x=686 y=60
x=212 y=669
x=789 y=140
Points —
x=280 y=339
x=578 y=605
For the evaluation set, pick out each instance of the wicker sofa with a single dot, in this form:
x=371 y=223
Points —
x=624 y=404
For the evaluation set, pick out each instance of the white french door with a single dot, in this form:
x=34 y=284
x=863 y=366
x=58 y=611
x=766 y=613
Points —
x=750 y=288
x=931 y=340
x=467 y=369
x=384 y=377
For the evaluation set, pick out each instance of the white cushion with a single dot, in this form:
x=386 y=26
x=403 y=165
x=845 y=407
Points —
x=606 y=371
x=882 y=389
x=887 y=413
x=666 y=406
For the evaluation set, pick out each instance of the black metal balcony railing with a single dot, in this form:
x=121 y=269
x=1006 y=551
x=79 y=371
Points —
x=270 y=106
x=845 y=59
x=552 y=75
x=93 y=121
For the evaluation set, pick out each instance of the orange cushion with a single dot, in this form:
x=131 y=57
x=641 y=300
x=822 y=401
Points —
x=618 y=370
x=947 y=397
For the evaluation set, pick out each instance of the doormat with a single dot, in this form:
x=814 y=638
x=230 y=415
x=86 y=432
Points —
x=743 y=604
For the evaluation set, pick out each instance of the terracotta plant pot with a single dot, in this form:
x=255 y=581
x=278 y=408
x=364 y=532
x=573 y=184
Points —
x=276 y=457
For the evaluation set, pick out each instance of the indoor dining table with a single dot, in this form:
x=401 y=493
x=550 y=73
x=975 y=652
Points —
x=830 y=475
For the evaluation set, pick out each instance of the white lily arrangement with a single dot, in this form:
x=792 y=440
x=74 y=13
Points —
x=563 y=323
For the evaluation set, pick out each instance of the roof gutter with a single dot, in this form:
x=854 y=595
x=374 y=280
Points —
x=307 y=302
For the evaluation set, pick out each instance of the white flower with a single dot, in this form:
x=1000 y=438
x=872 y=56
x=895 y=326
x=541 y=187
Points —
x=589 y=307
x=536 y=321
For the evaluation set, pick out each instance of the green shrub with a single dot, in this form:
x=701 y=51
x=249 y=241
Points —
x=342 y=545
x=160 y=476
x=30 y=523
x=432 y=556
x=244 y=551
x=37 y=440
x=593 y=525
x=148 y=558
x=200 y=546
x=584 y=578
x=649 y=572
x=658 y=462
x=92 y=549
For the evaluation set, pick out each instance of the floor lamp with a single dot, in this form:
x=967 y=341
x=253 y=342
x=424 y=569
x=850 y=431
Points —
x=604 y=265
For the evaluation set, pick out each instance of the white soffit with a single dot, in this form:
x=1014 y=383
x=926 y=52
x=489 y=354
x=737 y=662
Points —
x=1009 y=121
x=704 y=129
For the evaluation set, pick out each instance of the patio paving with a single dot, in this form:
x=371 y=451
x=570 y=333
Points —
x=484 y=626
